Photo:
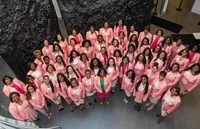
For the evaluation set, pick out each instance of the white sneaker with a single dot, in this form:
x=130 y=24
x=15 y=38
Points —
x=125 y=100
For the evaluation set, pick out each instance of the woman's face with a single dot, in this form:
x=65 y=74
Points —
x=175 y=68
x=74 y=83
x=59 y=37
x=31 y=89
x=60 y=78
x=32 y=66
x=194 y=49
x=111 y=62
x=174 y=92
x=144 y=80
x=56 y=48
x=46 y=80
x=50 y=69
x=147 y=52
x=87 y=45
x=125 y=61
x=162 y=55
x=30 y=80
x=184 y=53
x=121 y=35
x=141 y=57
x=133 y=38
x=130 y=74
x=145 y=42
x=72 y=42
x=74 y=32
x=120 y=22
x=8 y=81
x=95 y=63
x=161 y=77
x=103 y=50
x=117 y=54
x=159 y=33
x=146 y=31
x=130 y=49
x=46 y=43
x=46 y=60
x=70 y=70
x=38 y=56
x=179 y=42
x=88 y=74
x=15 y=98
x=92 y=29
x=195 y=69
x=154 y=69
x=132 y=28
x=106 y=25
x=115 y=43
x=157 y=49
x=84 y=58
x=167 y=41
x=74 y=55
x=58 y=59
x=100 y=39
x=102 y=73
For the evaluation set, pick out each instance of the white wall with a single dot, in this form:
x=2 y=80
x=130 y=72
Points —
x=196 y=7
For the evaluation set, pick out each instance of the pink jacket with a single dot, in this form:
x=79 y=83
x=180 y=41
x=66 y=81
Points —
x=38 y=62
x=89 y=87
x=38 y=101
x=45 y=65
x=47 y=92
x=140 y=93
x=169 y=107
x=111 y=50
x=116 y=34
x=63 y=91
x=92 y=36
x=159 y=41
x=82 y=67
x=151 y=76
x=75 y=97
x=158 y=88
x=183 y=63
x=36 y=84
x=139 y=69
x=52 y=78
x=117 y=61
x=60 y=68
x=168 y=50
x=40 y=74
x=101 y=58
x=80 y=38
x=8 y=89
x=107 y=84
x=172 y=79
x=175 y=49
x=107 y=35
x=130 y=66
x=114 y=75
x=97 y=47
x=46 y=51
x=160 y=65
x=123 y=42
x=64 y=46
x=77 y=48
x=142 y=35
x=195 y=59
x=141 y=48
x=131 y=33
x=131 y=58
x=64 y=56
x=128 y=85
x=89 y=52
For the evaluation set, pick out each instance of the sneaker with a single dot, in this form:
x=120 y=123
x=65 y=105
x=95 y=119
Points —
x=148 y=104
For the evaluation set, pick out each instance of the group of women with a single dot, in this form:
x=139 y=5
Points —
x=147 y=66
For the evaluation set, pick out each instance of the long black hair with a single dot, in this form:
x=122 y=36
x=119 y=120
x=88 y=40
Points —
x=100 y=65
x=180 y=53
x=139 y=82
x=85 y=41
x=73 y=40
x=71 y=59
x=164 y=59
x=122 y=23
x=117 y=50
x=145 y=38
x=27 y=78
x=107 y=65
x=150 y=56
x=192 y=46
x=133 y=75
x=50 y=83
x=49 y=66
x=81 y=56
x=143 y=61
x=60 y=49
x=29 y=65
x=102 y=68
x=155 y=48
x=165 y=39
x=122 y=63
x=6 y=77
x=28 y=94
x=61 y=59
x=117 y=42
x=73 y=71
x=106 y=53
x=173 y=65
x=131 y=45
x=67 y=82
x=56 y=39
x=136 y=40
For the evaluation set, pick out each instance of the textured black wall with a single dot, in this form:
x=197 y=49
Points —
x=24 y=25
x=80 y=14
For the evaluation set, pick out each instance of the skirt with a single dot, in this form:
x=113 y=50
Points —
x=114 y=83
x=68 y=100
x=153 y=100
x=138 y=100
x=81 y=101
x=44 y=110
x=128 y=94
x=32 y=114
x=103 y=96
x=88 y=94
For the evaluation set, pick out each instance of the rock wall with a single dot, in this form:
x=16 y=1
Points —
x=80 y=14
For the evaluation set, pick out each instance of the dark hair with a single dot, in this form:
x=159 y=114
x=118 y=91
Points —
x=136 y=40
x=147 y=28
x=173 y=65
x=117 y=42
x=164 y=59
x=99 y=63
x=165 y=39
x=192 y=46
x=56 y=39
x=6 y=77
x=155 y=48
x=143 y=41
x=149 y=55
x=137 y=58
x=101 y=37
x=106 y=53
x=182 y=51
x=11 y=94
x=196 y=64
x=160 y=31
x=81 y=57
x=102 y=68
x=45 y=57
x=180 y=38
x=163 y=73
x=77 y=32
x=71 y=57
x=73 y=79
x=105 y=23
x=65 y=79
x=131 y=45
x=73 y=71
x=50 y=83
x=117 y=50
x=125 y=57
x=155 y=65
x=56 y=44
x=178 y=90
x=122 y=33
x=73 y=40
x=107 y=65
x=85 y=41
x=28 y=94
x=139 y=82
x=122 y=23
x=133 y=75
x=61 y=59
x=49 y=66
x=27 y=78
x=29 y=65
x=87 y=70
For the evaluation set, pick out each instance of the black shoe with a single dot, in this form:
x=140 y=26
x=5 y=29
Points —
x=158 y=115
x=48 y=103
x=37 y=119
x=95 y=100
x=61 y=109
x=89 y=103
x=138 y=109
x=135 y=107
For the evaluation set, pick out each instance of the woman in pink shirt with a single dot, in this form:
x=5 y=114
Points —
x=123 y=41
x=182 y=59
x=156 y=51
x=88 y=83
x=152 y=73
x=30 y=80
x=170 y=102
x=20 y=109
x=62 y=42
x=157 y=38
x=140 y=65
x=62 y=86
x=92 y=35
x=38 y=58
x=117 y=57
x=158 y=88
x=128 y=83
x=35 y=71
x=87 y=48
x=148 y=55
x=141 y=92
x=107 y=33
x=144 y=44
x=72 y=73
x=51 y=72
x=131 y=53
x=77 y=36
x=95 y=65
x=37 y=100
x=103 y=85
x=77 y=93
x=47 y=49
x=103 y=56
x=115 y=45
x=50 y=91
x=119 y=27
x=133 y=40
x=190 y=79
x=194 y=55
x=83 y=64
x=46 y=62
x=113 y=72
x=60 y=65
x=167 y=45
x=132 y=31
x=99 y=43
x=146 y=33
x=173 y=76
x=73 y=46
x=12 y=85
x=57 y=50
x=73 y=59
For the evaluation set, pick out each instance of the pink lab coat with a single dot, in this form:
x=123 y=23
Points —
x=89 y=52
x=60 y=68
x=111 y=50
x=142 y=35
x=74 y=97
x=38 y=62
x=39 y=76
x=100 y=57
x=82 y=67
x=107 y=35
x=80 y=37
x=47 y=92
x=183 y=63
x=45 y=65
x=107 y=84
x=97 y=47
x=47 y=51
x=92 y=36
x=134 y=32
x=117 y=61
x=89 y=87
x=151 y=76
x=114 y=75
x=139 y=69
x=130 y=66
x=77 y=48
x=168 y=50
x=64 y=46
x=74 y=76
x=158 y=91
x=64 y=56
x=131 y=58
x=170 y=106
x=195 y=59
x=52 y=78
x=160 y=65
x=63 y=91
x=124 y=29
x=141 y=48
x=172 y=78
x=8 y=89
x=123 y=42
x=130 y=85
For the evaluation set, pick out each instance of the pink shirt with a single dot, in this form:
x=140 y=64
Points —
x=83 y=66
x=47 y=91
x=172 y=78
x=158 y=42
x=151 y=75
x=92 y=36
x=139 y=69
x=158 y=88
x=161 y=67
x=107 y=34
x=76 y=47
x=101 y=57
x=195 y=59
x=46 y=51
x=73 y=95
x=111 y=50
x=45 y=65
x=127 y=84
x=38 y=73
x=78 y=38
x=113 y=73
x=63 y=91
x=89 y=52
x=123 y=42
x=54 y=54
x=118 y=29
x=142 y=35
x=131 y=56
x=88 y=84
x=64 y=45
x=128 y=67
x=168 y=50
x=60 y=68
x=183 y=62
x=97 y=47
x=117 y=61
x=134 y=32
